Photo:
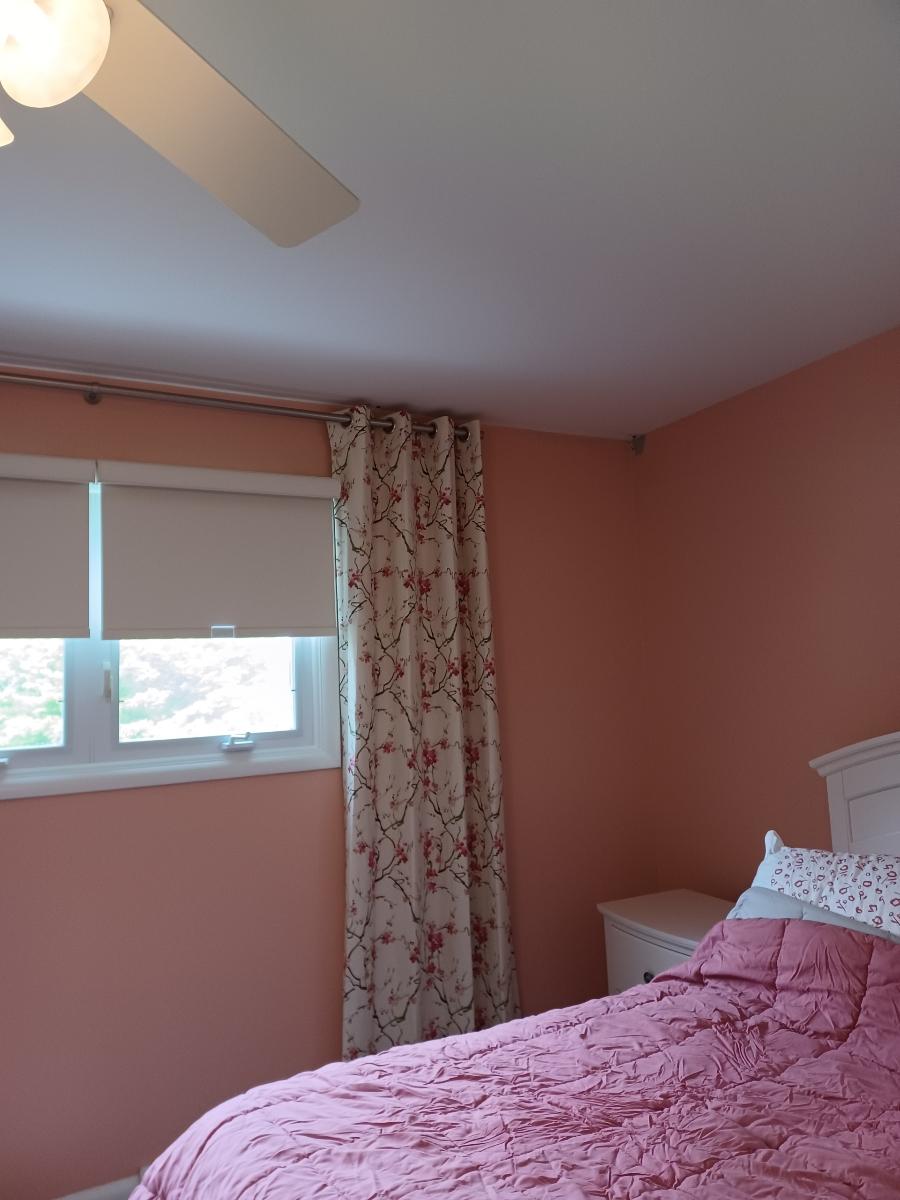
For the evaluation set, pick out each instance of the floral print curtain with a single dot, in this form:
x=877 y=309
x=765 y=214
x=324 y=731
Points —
x=428 y=947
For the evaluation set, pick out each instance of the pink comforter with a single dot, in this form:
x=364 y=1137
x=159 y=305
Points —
x=768 y=1066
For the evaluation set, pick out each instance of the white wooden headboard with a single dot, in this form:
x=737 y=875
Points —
x=864 y=795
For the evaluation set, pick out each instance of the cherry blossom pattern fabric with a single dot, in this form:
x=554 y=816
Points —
x=428 y=944
x=865 y=887
x=765 y=1068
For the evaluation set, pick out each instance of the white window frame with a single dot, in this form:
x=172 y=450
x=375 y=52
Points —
x=92 y=758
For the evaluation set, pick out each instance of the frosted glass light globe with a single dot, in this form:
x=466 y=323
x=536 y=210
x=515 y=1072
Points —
x=50 y=50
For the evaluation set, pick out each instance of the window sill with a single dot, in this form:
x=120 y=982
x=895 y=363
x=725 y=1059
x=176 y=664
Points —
x=19 y=782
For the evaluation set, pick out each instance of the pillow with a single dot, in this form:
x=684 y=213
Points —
x=763 y=902
x=864 y=887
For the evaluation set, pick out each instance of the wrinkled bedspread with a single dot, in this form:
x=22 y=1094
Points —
x=767 y=1067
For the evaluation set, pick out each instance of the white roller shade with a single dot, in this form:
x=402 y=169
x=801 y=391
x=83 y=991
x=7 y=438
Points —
x=44 y=546
x=201 y=479
x=187 y=550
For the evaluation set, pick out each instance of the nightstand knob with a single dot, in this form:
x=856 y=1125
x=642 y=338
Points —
x=648 y=977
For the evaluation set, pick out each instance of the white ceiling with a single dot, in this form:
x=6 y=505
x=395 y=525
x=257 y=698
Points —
x=585 y=215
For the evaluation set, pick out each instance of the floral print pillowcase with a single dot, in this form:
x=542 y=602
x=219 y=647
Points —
x=865 y=887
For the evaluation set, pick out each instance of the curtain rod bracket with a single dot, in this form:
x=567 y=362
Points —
x=637 y=443
x=92 y=397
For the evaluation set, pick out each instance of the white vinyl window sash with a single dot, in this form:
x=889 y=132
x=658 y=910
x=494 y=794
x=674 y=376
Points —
x=94 y=757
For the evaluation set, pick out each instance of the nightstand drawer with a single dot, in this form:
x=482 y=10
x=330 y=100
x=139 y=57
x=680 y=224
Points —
x=631 y=959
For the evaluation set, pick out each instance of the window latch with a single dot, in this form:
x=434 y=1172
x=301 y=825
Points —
x=231 y=744
x=107 y=681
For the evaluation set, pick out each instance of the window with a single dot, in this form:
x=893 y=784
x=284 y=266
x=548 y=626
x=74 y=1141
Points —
x=32 y=696
x=85 y=713
x=194 y=688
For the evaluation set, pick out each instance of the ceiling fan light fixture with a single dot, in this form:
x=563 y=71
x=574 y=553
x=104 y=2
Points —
x=50 y=50
x=6 y=135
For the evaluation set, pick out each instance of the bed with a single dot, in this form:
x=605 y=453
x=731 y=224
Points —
x=767 y=1066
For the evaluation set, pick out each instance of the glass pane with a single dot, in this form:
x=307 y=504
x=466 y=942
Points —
x=202 y=687
x=32 y=676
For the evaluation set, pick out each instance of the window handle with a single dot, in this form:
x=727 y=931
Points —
x=107 y=682
x=231 y=744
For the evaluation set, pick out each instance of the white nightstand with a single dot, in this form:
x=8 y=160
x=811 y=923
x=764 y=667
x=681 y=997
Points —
x=647 y=934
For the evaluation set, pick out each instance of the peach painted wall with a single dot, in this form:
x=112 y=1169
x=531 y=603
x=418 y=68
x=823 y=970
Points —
x=770 y=532
x=163 y=948
x=561 y=513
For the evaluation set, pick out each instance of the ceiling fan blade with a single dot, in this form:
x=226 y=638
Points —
x=171 y=98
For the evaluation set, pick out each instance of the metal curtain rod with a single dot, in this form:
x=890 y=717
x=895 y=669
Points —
x=93 y=392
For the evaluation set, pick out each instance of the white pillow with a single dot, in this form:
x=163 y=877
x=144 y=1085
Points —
x=763 y=902
x=864 y=887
